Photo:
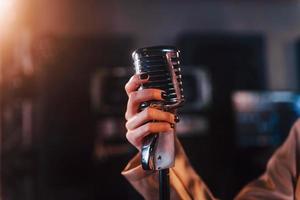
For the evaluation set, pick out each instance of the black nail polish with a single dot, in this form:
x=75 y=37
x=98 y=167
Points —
x=143 y=76
x=164 y=95
x=176 y=119
x=172 y=125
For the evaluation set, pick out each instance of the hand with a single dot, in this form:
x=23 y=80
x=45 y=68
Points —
x=141 y=124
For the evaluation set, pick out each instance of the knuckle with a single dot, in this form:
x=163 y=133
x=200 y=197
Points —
x=147 y=128
x=149 y=113
x=171 y=117
x=133 y=140
x=153 y=94
x=127 y=125
x=133 y=95
x=168 y=126
x=164 y=126
x=128 y=136
x=126 y=115
x=128 y=84
x=126 y=87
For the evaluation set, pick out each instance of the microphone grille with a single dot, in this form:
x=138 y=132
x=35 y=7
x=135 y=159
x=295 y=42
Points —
x=162 y=64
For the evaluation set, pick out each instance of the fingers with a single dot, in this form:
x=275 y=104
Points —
x=135 y=137
x=135 y=82
x=137 y=97
x=138 y=123
x=149 y=114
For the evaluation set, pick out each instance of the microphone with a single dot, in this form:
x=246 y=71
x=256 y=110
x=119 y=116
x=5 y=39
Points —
x=162 y=64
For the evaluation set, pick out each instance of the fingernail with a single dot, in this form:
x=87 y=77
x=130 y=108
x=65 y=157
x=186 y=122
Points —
x=176 y=118
x=172 y=125
x=163 y=95
x=143 y=76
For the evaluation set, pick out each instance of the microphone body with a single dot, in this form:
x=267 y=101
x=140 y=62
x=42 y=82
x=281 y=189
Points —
x=162 y=64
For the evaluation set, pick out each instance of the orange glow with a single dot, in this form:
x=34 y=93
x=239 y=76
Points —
x=5 y=8
x=7 y=13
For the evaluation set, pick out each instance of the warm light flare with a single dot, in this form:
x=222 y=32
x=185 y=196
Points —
x=7 y=12
x=5 y=7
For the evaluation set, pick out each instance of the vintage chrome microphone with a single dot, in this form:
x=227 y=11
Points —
x=162 y=64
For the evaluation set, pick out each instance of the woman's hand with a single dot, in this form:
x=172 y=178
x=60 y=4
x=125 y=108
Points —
x=141 y=124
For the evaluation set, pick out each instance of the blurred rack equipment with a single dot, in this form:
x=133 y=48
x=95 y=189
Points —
x=234 y=61
x=48 y=123
x=198 y=96
x=70 y=167
x=108 y=101
x=17 y=114
x=262 y=123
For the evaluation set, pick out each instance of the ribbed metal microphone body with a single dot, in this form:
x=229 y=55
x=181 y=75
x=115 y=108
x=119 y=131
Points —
x=162 y=64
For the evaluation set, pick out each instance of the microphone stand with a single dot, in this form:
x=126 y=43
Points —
x=164 y=184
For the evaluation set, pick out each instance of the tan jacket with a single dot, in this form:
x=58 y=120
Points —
x=280 y=181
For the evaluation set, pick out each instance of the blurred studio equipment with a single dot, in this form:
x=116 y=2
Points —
x=51 y=132
x=262 y=122
x=198 y=96
x=108 y=100
x=17 y=114
x=263 y=119
x=233 y=61
x=77 y=147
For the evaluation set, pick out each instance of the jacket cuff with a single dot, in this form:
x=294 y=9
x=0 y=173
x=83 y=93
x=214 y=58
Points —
x=134 y=171
x=184 y=181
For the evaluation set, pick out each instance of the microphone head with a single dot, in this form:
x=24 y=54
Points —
x=162 y=64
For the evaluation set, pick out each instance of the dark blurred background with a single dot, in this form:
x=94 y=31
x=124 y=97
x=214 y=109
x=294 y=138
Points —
x=64 y=63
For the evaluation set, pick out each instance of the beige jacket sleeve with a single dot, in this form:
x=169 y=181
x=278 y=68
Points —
x=184 y=181
x=278 y=182
x=281 y=176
